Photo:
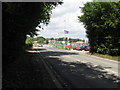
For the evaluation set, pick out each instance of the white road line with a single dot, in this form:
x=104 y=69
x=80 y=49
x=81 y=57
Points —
x=113 y=72
x=55 y=80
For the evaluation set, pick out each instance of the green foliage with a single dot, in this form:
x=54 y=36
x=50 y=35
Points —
x=51 y=38
x=61 y=39
x=29 y=41
x=117 y=58
x=102 y=22
x=106 y=0
x=70 y=39
x=21 y=19
x=114 y=52
x=40 y=40
x=74 y=40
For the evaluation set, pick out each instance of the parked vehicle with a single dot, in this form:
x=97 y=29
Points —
x=80 y=48
x=87 y=48
x=41 y=45
x=74 y=48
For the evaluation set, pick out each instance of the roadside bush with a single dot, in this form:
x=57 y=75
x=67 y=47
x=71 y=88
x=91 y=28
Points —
x=102 y=50
x=102 y=23
x=114 y=52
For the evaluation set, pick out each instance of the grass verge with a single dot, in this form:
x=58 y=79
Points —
x=116 y=58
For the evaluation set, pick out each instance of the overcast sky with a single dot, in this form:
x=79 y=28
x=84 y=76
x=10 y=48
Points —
x=64 y=17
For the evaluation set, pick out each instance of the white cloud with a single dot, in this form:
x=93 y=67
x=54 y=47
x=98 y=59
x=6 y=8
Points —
x=65 y=17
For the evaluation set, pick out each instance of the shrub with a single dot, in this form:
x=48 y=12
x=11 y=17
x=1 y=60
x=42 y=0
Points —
x=114 y=52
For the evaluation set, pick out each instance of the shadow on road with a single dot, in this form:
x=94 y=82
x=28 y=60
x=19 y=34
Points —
x=29 y=72
x=81 y=75
x=40 y=49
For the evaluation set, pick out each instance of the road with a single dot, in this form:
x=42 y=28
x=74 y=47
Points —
x=80 y=70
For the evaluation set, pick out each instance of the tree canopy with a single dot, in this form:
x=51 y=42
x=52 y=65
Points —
x=20 y=19
x=102 y=22
x=39 y=40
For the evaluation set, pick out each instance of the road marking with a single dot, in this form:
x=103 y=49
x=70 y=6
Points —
x=55 y=80
x=86 y=61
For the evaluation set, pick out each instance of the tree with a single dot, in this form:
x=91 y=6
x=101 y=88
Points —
x=40 y=40
x=19 y=20
x=102 y=22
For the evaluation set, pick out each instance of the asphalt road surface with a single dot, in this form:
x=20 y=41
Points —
x=80 y=70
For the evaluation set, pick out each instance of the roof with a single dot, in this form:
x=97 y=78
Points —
x=79 y=42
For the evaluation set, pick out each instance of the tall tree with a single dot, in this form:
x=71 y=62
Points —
x=102 y=22
x=20 y=19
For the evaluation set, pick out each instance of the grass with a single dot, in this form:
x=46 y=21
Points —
x=117 y=58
